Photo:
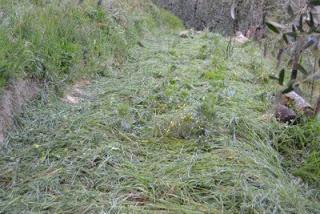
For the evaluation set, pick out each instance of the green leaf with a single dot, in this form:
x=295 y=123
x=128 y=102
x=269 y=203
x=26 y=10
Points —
x=293 y=35
x=273 y=77
x=300 y=27
x=289 y=88
x=281 y=76
x=273 y=26
x=302 y=69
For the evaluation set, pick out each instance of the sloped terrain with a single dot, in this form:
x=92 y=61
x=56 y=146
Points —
x=180 y=128
x=51 y=44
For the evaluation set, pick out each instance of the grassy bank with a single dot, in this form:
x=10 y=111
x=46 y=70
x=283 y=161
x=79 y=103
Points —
x=59 y=41
x=179 y=129
x=168 y=125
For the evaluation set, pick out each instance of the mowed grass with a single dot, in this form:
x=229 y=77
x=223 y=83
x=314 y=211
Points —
x=179 y=129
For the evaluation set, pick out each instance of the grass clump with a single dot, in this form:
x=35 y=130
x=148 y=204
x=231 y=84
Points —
x=300 y=147
x=171 y=20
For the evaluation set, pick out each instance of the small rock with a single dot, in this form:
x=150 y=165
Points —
x=77 y=92
x=184 y=34
x=240 y=38
x=71 y=100
x=267 y=117
x=285 y=114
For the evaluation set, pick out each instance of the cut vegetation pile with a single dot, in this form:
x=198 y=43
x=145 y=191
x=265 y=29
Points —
x=177 y=128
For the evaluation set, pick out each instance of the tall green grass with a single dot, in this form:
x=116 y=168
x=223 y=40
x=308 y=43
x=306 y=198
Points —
x=300 y=146
x=59 y=41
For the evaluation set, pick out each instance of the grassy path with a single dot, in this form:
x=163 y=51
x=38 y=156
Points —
x=180 y=129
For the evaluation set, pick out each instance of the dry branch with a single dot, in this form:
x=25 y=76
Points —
x=300 y=103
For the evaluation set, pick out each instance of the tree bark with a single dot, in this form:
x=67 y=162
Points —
x=301 y=104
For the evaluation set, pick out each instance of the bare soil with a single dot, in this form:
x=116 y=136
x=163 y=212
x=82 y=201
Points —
x=13 y=98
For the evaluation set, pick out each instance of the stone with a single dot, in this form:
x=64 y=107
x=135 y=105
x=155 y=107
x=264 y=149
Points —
x=184 y=34
x=284 y=114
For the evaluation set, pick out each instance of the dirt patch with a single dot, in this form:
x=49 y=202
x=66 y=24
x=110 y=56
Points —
x=76 y=93
x=12 y=100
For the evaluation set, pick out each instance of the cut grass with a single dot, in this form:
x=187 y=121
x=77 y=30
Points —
x=165 y=134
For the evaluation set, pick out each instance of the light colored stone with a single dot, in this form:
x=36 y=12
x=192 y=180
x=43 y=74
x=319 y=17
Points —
x=240 y=38
x=76 y=93
x=71 y=100
x=184 y=34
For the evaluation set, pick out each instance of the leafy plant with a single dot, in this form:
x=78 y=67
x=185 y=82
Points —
x=299 y=39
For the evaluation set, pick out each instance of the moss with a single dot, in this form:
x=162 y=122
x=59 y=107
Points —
x=214 y=75
x=123 y=109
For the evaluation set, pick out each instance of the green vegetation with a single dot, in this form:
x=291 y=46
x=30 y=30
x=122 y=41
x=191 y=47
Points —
x=169 y=126
x=157 y=136
x=59 y=41
x=299 y=51
x=300 y=147
x=295 y=40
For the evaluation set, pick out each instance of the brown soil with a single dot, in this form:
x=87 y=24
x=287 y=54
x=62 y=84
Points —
x=76 y=93
x=12 y=99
